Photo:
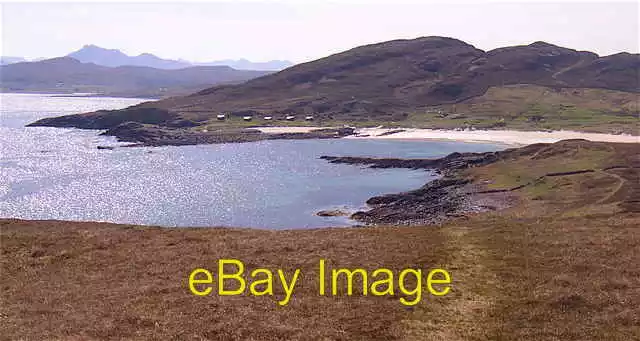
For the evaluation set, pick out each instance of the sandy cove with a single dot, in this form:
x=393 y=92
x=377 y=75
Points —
x=510 y=137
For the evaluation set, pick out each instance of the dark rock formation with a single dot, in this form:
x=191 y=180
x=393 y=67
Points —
x=440 y=199
x=332 y=213
x=107 y=119
x=156 y=135
x=432 y=204
x=391 y=132
x=448 y=163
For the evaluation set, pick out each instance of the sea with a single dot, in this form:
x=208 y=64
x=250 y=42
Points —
x=59 y=173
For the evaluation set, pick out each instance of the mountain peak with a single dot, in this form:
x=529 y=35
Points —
x=92 y=47
x=540 y=43
x=98 y=55
x=90 y=53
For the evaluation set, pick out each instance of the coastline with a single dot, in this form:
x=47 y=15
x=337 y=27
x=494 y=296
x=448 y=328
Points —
x=83 y=94
x=507 y=137
x=452 y=195
x=574 y=204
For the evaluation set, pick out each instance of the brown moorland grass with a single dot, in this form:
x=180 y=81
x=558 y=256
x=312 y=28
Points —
x=563 y=264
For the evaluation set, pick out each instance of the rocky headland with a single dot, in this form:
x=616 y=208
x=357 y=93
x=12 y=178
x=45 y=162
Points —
x=155 y=135
x=157 y=127
x=456 y=193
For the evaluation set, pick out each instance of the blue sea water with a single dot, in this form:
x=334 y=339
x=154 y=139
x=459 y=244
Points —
x=56 y=173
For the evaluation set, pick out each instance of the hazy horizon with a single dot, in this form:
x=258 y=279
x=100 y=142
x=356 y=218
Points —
x=261 y=31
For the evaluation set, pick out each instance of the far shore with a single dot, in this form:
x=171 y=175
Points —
x=509 y=137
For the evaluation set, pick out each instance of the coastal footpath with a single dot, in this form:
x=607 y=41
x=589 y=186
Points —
x=559 y=263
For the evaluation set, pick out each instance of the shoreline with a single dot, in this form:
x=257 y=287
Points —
x=507 y=137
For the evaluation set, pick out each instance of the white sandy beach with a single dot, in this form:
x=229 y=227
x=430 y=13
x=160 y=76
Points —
x=283 y=130
x=510 y=137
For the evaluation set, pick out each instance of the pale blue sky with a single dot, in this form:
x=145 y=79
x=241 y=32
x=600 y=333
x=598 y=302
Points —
x=302 y=32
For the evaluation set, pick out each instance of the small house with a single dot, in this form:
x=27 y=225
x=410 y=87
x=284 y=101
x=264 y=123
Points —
x=290 y=118
x=267 y=118
x=221 y=117
x=247 y=118
x=308 y=118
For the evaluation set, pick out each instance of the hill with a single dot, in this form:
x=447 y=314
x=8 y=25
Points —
x=113 y=58
x=406 y=75
x=67 y=75
x=426 y=82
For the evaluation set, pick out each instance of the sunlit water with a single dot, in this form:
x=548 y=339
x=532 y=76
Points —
x=55 y=173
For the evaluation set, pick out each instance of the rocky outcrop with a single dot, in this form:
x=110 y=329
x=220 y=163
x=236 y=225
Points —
x=108 y=119
x=434 y=203
x=441 y=199
x=156 y=135
x=446 y=164
x=332 y=213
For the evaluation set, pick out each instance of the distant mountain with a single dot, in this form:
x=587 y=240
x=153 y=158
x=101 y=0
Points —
x=5 y=60
x=68 y=75
x=113 y=58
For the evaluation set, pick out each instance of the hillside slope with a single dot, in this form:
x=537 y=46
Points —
x=402 y=81
x=64 y=75
x=401 y=75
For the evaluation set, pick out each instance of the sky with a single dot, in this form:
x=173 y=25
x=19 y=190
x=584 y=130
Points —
x=306 y=30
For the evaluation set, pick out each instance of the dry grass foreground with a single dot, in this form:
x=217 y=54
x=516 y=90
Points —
x=561 y=265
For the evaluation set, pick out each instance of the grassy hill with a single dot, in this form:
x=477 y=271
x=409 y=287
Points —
x=425 y=82
x=388 y=80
